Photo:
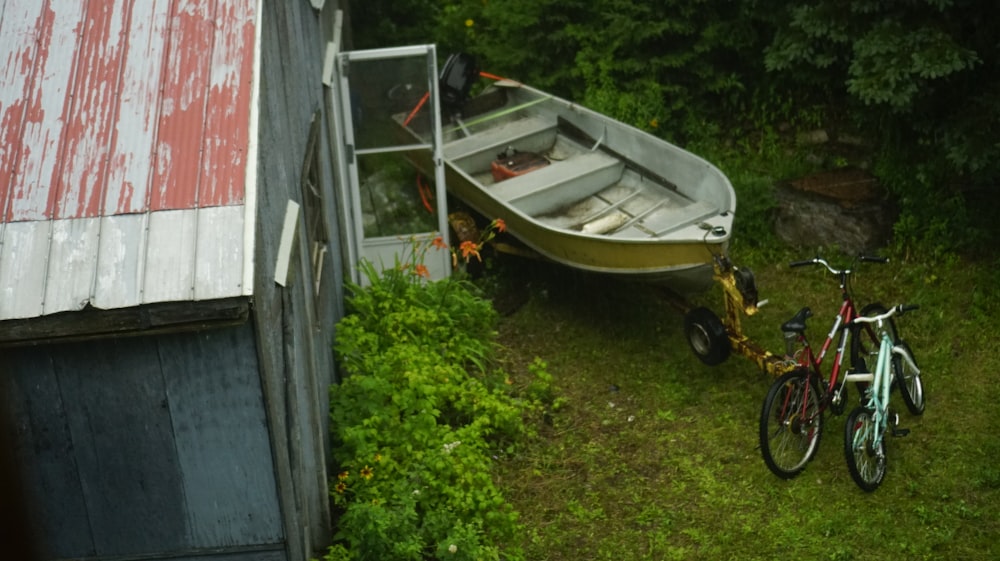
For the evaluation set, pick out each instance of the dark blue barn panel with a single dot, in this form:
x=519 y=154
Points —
x=220 y=433
x=147 y=446
x=119 y=423
x=43 y=447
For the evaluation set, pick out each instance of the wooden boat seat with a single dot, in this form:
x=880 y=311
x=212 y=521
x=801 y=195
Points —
x=560 y=183
x=528 y=134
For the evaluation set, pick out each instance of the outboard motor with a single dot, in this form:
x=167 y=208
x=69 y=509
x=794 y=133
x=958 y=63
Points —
x=458 y=75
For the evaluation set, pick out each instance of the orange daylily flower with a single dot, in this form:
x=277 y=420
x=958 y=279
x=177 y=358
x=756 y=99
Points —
x=500 y=225
x=421 y=271
x=469 y=249
x=439 y=243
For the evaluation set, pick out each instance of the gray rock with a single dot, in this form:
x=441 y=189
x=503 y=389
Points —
x=844 y=208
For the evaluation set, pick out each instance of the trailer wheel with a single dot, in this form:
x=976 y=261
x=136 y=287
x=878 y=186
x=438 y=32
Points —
x=707 y=336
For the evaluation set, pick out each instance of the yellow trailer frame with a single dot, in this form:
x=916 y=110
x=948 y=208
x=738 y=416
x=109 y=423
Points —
x=713 y=339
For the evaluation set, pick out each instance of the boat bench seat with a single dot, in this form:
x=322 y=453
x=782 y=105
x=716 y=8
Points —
x=560 y=183
x=528 y=134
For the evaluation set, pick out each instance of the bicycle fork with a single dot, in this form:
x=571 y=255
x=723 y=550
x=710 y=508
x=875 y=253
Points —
x=878 y=398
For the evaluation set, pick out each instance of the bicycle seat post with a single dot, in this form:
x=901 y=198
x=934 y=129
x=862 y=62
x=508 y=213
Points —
x=791 y=342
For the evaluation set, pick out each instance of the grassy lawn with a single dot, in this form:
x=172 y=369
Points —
x=652 y=455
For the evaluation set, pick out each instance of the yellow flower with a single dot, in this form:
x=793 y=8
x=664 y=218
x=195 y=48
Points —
x=378 y=457
x=343 y=475
x=366 y=473
x=340 y=488
x=469 y=22
x=654 y=123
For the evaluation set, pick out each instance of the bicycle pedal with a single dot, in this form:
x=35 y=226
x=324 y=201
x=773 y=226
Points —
x=900 y=432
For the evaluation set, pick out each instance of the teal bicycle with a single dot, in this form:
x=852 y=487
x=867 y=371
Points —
x=868 y=424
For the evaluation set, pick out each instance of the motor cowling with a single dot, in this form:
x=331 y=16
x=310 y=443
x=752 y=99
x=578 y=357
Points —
x=458 y=75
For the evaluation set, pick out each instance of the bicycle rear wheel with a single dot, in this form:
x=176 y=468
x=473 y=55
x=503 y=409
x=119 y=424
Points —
x=865 y=460
x=790 y=424
x=908 y=380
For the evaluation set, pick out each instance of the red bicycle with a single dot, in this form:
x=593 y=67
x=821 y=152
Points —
x=791 y=418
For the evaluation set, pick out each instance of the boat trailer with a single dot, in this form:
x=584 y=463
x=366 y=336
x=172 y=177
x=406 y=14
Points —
x=714 y=339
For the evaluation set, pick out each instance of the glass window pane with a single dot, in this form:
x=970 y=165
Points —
x=396 y=199
x=384 y=94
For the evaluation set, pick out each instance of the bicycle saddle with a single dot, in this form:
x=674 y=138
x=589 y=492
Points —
x=798 y=323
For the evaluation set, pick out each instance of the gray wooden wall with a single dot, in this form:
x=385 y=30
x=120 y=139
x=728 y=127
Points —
x=210 y=444
x=296 y=329
x=139 y=446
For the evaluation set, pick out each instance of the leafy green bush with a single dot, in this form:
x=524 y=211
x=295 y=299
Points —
x=419 y=421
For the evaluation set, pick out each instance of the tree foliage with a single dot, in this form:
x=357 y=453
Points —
x=918 y=77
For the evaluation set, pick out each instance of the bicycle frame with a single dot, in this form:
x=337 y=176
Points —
x=812 y=362
x=844 y=317
x=878 y=392
x=842 y=323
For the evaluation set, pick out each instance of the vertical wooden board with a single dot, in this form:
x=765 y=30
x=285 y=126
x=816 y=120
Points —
x=90 y=121
x=135 y=138
x=23 y=260
x=219 y=253
x=18 y=60
x=44 y=450
x=220 y=430
x=170 y=258
x=309 y=412
x=72 y=263
x=228 y=108
x=119 y=420
x=178 y=157
x=48 y=101
x=120 y=257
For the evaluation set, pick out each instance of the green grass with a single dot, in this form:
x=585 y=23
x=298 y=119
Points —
x=652 y=455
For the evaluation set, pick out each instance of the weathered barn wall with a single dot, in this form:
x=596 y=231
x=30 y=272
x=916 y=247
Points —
x=145 y=446
x=296 y=324
x=210 y=444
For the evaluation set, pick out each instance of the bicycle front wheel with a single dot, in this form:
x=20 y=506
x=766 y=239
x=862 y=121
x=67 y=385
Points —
x=790 y=424
x=865 y=459
x=908 y=380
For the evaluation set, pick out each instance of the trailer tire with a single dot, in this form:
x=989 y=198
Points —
x=707 y=336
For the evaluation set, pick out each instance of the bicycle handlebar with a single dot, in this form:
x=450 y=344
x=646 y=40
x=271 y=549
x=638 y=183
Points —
x=823 y=262
x=895 y=310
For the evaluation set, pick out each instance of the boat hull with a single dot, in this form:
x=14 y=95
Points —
x=615 y=200
x=685 y=266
